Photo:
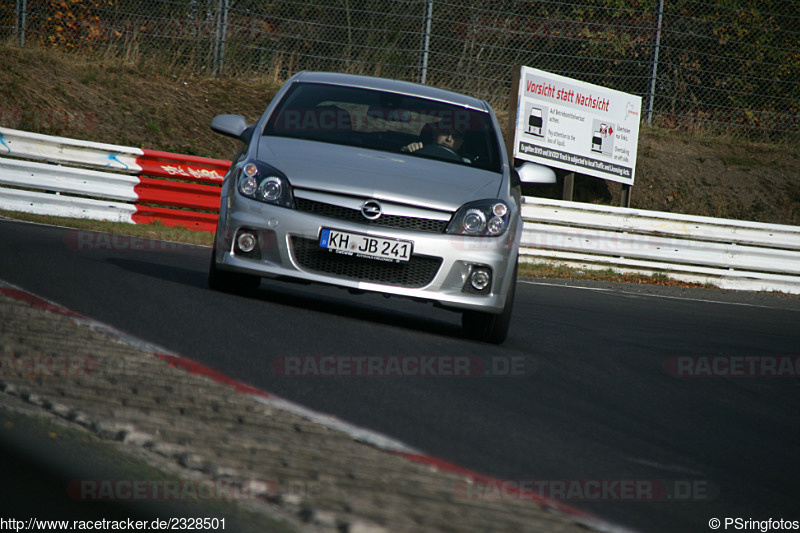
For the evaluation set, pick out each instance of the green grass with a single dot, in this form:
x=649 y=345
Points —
x=155 y=231
x=154 y=125
x=741 y=161
x=549 y=270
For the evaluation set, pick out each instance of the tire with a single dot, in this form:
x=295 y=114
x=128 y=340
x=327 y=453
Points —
x=490 y=327
x=232 y=282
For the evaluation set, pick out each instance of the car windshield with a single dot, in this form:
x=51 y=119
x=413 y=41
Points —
x=387 y=121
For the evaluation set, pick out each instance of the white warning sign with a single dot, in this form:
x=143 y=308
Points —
x=577 y=126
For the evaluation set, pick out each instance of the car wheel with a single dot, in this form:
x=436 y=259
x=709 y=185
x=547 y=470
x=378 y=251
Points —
x=234 y=282
x=490 y=327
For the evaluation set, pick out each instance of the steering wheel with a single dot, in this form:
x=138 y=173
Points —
x=438 y=151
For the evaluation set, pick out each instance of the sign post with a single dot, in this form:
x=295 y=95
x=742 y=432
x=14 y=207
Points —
x=576 y=126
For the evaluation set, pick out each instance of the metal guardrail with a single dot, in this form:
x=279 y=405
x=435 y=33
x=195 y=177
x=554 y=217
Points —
x=727 y=253
x=107 y=182
x=102 y=181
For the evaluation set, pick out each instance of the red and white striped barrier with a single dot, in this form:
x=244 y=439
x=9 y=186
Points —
x=108 y=182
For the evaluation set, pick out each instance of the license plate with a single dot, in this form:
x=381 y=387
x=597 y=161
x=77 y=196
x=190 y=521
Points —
x=367 y=246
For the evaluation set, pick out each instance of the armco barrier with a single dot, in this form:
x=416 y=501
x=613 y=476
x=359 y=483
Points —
x=727 y=253
x=107 y=182
x=102 y=181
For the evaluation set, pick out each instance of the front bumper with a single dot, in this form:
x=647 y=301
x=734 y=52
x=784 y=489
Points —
x=437 y=272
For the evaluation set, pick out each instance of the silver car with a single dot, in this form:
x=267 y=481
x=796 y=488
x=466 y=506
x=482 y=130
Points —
x=375 y=185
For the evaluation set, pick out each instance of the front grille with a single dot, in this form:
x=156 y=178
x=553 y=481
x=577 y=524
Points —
x=354 y=215
x=414 y=273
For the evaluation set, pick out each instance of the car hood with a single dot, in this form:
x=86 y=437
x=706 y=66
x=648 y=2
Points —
x=394 y=177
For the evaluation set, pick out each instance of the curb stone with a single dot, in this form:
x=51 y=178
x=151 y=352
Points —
x=174 y=414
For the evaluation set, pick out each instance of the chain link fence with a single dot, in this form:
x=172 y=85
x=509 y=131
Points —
x=731 y=66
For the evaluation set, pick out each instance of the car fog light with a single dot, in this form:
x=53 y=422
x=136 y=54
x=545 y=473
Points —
x=479 y=279
x=246 y=242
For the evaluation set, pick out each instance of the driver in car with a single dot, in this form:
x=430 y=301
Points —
x=450 y=139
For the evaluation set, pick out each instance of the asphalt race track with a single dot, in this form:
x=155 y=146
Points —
x=594 y=400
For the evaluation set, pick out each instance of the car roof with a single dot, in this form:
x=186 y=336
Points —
x=396 y=86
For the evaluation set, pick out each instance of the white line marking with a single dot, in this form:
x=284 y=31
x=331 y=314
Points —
x=661 y=466
x=628 y=293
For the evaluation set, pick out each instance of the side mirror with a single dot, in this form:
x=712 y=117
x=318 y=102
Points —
x=533 y=173
x=231 y=125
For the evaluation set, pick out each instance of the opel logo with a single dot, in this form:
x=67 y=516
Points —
x=371 y=210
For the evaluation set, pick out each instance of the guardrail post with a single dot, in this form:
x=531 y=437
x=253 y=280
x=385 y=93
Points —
x=625 y=196
x=569 y=186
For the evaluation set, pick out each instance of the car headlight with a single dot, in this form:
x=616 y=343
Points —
x=261 y=182
x=484 y=218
